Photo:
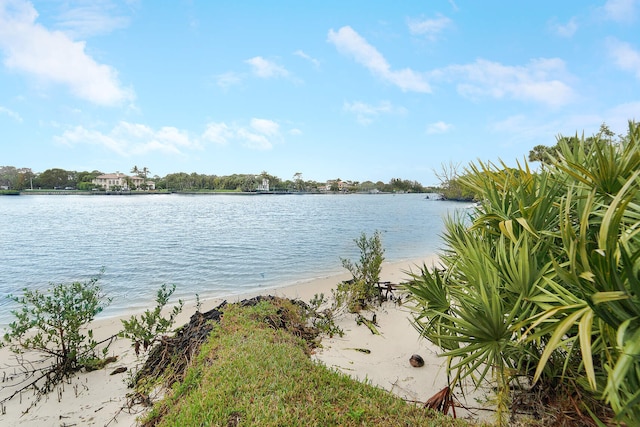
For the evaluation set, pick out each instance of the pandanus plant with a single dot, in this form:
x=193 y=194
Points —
x=542 y=281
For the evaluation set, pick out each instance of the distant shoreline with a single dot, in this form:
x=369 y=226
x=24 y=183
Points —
x=189 y=193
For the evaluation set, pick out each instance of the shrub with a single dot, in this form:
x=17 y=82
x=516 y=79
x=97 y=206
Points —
x=144 y=331
x=52 y=323
x=362 y=290
x=324 y=318
x=542 y=282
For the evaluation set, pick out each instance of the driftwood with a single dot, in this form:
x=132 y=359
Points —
x=361 y=350
x=371 y=324
x=386 y=290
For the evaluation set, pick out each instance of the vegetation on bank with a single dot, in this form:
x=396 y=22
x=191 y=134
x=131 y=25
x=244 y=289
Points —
x=251 y=372
x=540 y=290
x=451 y=185
x=251 y=366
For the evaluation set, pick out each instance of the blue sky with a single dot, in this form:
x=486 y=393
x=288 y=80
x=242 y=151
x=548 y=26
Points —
x=358 y=90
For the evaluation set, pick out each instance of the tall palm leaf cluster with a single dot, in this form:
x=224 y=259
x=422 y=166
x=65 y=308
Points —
x=541 y=284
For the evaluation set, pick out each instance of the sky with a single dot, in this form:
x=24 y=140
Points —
x=358 y=90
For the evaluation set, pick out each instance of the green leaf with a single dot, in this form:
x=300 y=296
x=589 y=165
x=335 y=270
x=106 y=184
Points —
x=557 y=338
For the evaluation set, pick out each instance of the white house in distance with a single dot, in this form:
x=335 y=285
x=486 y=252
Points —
x=264 y=186
x=121 y=181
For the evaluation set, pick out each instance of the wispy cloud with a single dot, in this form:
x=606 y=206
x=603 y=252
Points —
x=624 y=56
x=540 y=81
x=430 y=28
x=565 y=30
x=439 y=127
x=129 y=139
x=617 y=117
x=260 y=134
x=53 y=57
x=228 y=79
x=621 y=10
x=265 y=68
x=303 y=55
x=80 y=19
x=15 y=116
x=521 y=129
x=351 y=44
x=365 y=113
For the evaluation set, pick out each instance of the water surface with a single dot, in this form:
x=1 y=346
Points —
x=211 y=245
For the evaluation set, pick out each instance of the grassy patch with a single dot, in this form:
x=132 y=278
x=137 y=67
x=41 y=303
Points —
x=251 y=373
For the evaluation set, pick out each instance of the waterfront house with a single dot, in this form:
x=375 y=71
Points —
x=120 y=181
x=339 y=185
x=264 y=187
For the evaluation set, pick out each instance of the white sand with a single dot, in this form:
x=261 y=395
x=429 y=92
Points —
x=100 y=399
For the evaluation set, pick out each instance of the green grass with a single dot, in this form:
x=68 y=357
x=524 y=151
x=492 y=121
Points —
x=249 y=373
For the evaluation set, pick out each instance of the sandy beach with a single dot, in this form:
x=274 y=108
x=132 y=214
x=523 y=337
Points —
x=100 y=399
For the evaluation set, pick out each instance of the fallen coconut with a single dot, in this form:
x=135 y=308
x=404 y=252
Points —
x=416 y=361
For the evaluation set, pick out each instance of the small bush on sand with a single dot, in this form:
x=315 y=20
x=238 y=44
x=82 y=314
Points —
x=144 y=331
x=362 y=291
x=52 y=323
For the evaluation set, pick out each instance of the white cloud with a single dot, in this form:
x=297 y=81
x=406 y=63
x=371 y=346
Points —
x=620 y=10
x=15 y=116
x=351 y=44
x=624 y=56
x=255 y=141
x=439 y=127
x=303 y=55
x=365 y=113
x=266 y=127
x=128 y=139
x=538 y=81
x=53 y=57
x=566 y=30
x=218 y=133
x=261 y=134
x=430 y=28
x=266 y=69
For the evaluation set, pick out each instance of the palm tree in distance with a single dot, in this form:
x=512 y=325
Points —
x=297 y=177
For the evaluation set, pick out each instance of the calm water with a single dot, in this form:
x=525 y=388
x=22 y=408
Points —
x=211 y=245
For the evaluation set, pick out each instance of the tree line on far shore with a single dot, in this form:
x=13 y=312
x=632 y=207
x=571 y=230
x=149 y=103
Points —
x=12 y=178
